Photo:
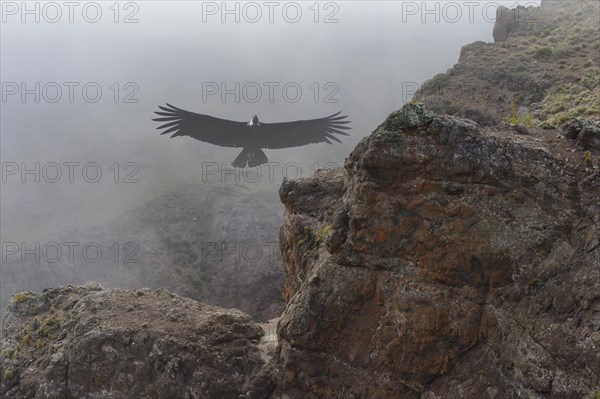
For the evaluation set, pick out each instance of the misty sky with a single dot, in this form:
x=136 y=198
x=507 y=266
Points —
x=176 y=52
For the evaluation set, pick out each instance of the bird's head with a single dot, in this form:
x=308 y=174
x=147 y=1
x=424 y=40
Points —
x=254 y=121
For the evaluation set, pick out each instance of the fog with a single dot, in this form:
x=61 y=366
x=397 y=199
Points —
x=364 y=61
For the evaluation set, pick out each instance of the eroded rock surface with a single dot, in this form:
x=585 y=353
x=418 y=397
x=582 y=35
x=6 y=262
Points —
x=446 y=261
x=87 y=342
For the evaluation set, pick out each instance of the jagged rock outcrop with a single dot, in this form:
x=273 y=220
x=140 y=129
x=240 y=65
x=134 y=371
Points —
x=512 y=21
x=87 y=342
x=445 y=261
x=586 y=133
x=506 y=19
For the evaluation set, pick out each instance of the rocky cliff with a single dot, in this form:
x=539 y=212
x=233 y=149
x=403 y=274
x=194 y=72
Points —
x=454 y=257
x=445 y=261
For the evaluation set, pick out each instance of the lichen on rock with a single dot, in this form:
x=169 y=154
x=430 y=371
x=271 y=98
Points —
x=456 y=261
x=86 y=341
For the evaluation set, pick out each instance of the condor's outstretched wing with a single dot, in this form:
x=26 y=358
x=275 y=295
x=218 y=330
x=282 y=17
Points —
x=202 y=127
x=299 y=133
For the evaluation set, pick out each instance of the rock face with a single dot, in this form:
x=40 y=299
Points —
x=514 y=20
x=586 y=133
x=86 y=342
x=445 y=261
x=505 y=20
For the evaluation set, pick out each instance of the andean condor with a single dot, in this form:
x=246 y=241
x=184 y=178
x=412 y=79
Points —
x=252 y=136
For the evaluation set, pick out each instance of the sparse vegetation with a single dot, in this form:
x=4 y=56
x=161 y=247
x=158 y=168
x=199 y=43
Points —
x=453 y=108
x=563 y=53
x=8 y=373
x=437 y=82
x=150 y=393
x=50 y=326
x=15 y=354
x=26 y=336
x=323 y=233
x=23 y=297
x=544 y=54
x=574 y=100
x=305 y=238
x=313 y=239
x=515 y=118
x=534 y=284
x=33 y=310
x=529 y=330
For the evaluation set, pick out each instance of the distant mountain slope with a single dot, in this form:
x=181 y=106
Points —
x=543 y=70
x=213 y=242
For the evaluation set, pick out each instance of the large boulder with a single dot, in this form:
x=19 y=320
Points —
x=585 y=132
x=505 y=20
x=87 y=342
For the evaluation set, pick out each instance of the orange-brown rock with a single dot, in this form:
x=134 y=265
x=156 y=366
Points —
x=431 y=266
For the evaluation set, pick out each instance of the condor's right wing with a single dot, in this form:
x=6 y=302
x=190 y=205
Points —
x=205 y=128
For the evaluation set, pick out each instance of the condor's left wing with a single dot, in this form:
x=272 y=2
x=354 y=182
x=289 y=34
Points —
x=303 y=132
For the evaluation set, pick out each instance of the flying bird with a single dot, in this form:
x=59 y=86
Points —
x=252 y=136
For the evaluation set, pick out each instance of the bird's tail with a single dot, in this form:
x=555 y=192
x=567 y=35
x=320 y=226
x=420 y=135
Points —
x=250 y=157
